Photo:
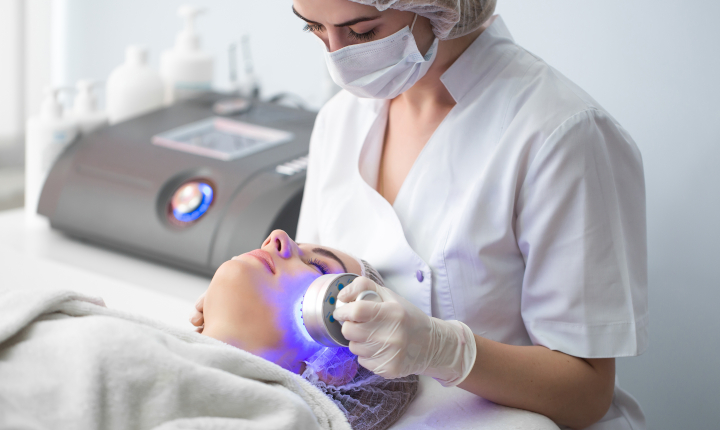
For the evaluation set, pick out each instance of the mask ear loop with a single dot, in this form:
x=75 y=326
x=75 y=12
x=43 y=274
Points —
x=413 y=23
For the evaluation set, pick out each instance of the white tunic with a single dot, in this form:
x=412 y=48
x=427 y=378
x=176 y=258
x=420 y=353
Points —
x=523 y=216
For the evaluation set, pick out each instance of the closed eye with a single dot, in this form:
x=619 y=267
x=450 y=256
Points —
x=362 y=37
x=319 y=265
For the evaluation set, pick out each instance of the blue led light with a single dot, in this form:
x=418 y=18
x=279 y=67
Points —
x=207 y=193
x=332 y=300
x=301 y=325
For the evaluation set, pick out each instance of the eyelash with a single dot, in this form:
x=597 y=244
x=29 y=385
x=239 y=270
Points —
x=362 y=37
x=312 y=28
x=320 y=265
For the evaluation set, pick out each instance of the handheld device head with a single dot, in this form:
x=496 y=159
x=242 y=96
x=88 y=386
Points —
x=320 y=301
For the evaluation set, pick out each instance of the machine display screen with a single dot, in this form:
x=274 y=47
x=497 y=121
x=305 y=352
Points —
x=222 y=138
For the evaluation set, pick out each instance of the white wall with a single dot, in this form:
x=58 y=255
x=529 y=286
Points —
x=653 y=64
x=286 y=59
x=26 y=28
x=11 y=71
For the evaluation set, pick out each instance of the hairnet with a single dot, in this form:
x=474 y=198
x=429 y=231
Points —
x=369 y=401
x=369 y=272
x=450 y=18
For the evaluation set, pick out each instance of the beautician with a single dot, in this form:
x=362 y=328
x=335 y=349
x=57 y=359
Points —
x=504 y=207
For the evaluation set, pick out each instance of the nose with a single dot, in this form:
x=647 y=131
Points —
x=279 y=243
x=333 y=44
x=334 y=40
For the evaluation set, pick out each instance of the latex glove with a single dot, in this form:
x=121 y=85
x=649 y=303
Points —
x=395 y=338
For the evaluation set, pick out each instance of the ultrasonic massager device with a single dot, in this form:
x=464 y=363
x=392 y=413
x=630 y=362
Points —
x=320 y=301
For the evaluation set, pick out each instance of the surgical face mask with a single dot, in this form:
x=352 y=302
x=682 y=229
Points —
x=382 y=69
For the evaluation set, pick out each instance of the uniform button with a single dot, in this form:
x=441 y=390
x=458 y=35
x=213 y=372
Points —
x=419 y=276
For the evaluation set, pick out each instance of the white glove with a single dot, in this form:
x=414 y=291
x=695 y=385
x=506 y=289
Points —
x=395 y=338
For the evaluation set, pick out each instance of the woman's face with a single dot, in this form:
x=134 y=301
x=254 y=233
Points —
x=253 y=301
x=340 y=23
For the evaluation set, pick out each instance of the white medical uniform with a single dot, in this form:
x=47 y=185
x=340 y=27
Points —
x=523 y=216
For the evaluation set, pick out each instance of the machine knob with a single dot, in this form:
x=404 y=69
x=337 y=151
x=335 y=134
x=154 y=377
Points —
x=191 y=201
x=187 y=198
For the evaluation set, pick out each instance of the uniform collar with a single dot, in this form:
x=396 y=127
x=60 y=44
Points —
x=470 y=68
x=477 y=60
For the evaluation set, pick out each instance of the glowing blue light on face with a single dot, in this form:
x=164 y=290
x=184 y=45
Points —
x=207 y=199
x=301 y=325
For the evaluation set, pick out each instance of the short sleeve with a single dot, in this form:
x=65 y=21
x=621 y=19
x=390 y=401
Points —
x=581 y=229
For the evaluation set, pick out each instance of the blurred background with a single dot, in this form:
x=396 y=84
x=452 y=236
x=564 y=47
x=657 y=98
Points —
x=654 y=65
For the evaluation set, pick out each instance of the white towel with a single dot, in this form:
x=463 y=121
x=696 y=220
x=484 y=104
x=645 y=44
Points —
x=68 y=362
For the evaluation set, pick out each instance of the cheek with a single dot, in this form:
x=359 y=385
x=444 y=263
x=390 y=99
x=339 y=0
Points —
x=285 y=297
x=286 y=292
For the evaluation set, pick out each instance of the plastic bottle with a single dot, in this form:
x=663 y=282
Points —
x=47 y=135
x=133 y=88
x=85 y=110
x=186 y=70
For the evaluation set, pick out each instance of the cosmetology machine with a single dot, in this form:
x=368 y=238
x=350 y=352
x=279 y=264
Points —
x=191 y=185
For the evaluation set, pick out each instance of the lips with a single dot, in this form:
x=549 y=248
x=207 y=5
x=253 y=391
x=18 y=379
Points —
x=265 y=257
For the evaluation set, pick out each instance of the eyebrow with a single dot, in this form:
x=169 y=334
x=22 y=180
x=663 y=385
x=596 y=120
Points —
x=344 y=24
x=329 y=254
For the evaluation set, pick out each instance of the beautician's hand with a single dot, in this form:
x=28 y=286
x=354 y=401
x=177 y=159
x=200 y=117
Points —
x=395 y=338
x=197 y=318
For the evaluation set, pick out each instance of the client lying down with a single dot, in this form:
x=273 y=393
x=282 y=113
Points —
x=67 y=361
x=253 y=303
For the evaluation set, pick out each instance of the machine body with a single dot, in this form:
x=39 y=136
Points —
x=181 y=185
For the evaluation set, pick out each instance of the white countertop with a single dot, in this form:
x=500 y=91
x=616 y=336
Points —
x=34 y=255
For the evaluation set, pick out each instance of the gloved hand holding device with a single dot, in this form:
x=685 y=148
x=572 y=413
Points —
x=394 y=338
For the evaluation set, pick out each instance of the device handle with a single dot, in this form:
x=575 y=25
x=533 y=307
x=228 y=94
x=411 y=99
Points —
x=367 y=295
x=370 y=296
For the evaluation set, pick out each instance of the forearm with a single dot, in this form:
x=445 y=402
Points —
x=571 y=391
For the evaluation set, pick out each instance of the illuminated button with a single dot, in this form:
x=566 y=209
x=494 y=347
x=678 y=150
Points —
x=331 y=319
x=332 y=300
x=340 y=287
x=187 y=198
x=191 y=201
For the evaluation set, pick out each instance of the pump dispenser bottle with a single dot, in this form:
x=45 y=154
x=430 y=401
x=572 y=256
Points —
x=186 y=70
x=133 y=88
x=47 y=135
x=85 y=109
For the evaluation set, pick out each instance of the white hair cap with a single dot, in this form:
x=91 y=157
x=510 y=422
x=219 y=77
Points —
x=450 y=18
x=367 y=271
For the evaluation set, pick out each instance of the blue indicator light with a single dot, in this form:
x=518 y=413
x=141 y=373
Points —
x=332 y=300
x=331 y=319
x=340 y=287
x=207 y=198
